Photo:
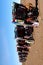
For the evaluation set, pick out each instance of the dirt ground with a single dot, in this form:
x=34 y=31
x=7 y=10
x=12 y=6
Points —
x=35 y=57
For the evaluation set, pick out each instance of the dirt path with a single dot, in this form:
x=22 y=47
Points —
x=35 y=57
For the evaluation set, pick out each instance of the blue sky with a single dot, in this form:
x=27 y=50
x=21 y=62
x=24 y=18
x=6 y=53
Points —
x=8 y=51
